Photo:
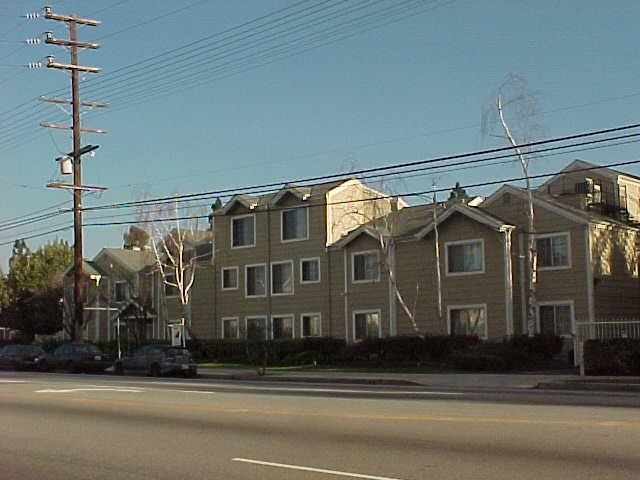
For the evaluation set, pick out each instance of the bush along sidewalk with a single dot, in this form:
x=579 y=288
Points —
x=617 y=356
x=444 y=352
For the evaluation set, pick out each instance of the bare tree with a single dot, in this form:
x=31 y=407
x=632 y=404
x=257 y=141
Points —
x=175 y=242
x=378 y=214
x=511 y=116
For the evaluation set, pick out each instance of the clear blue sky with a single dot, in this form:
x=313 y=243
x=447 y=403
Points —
x=408 y=90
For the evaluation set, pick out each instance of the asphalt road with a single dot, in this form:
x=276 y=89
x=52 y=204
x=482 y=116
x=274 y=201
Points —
x=102 y=427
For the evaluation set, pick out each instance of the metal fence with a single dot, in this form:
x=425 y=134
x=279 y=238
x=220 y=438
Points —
x=603 y=330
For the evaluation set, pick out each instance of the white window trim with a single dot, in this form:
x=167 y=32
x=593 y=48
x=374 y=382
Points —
x=309 y=314
x=259 y=317
x=293 y=278
x=556 y=234
x=464 y=242
x=282 y=240
x=353 y=321
x=237 y=269
x=310 y=259
x=569 y=303
x=238 y=217
x=465 y=307
x=284 y=315
x=353 y=264
x=246 y=283
x=225 y=319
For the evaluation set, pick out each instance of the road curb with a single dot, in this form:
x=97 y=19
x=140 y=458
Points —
x=590 y=387
x=353 y=381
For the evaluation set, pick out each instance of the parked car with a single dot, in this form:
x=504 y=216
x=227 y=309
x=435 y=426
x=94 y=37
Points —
x=78 y=357
x=157 y=360
x=18 y=357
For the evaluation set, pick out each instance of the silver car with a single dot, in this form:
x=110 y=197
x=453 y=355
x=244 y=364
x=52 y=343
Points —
x=157 y=360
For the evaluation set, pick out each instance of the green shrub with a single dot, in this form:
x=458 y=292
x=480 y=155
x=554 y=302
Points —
x=539 y=346
x=477 y=362
x=438 y=347
x=619 y=356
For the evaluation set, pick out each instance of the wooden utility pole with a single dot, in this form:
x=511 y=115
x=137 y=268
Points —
x=73 y=44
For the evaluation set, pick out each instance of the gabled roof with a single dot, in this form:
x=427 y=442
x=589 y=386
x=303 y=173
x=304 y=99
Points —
x=133 y=303
x=474 y=213
x=355 y=233
x=302 y=193
x=607 y=172
x=550 y=203
x=89 y=268
x=248 y=201
x=131 y=260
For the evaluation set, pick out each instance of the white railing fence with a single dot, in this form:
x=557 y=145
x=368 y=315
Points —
x=603 y=329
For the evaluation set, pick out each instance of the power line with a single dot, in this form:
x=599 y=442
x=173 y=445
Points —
x=342 y=202
x=368 y=170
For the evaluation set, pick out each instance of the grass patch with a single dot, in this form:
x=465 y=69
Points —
x=435 y=368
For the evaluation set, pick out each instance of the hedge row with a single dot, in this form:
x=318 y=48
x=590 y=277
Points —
x=619 y=356
x=466 y=353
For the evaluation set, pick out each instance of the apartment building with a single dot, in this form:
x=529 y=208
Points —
x=274 y=275
x=341 y=259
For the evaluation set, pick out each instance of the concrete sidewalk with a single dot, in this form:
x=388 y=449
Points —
x=461 y=380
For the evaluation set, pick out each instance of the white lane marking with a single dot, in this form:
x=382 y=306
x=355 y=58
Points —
x=14 y=381
x=311 y=469
x=303 y=389
x=70 y=390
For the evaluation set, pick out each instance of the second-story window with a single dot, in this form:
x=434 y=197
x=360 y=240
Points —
x=255 y=280
x=309 y=270
x=465 y=257
x=243 y=233
x=553 y=250
x=229 y=278
x=365 y=266
x=282 y=278
x=295 y=224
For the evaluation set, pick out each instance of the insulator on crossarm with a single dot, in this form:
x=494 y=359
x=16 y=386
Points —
x=34 y=65
x=31 y=15
x=33 y=41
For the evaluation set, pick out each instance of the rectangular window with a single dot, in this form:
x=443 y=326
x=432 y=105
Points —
x=468 y=320
x=555 y=319
x=366 y=324
x=365 y=267
x=295 y=224
x=311 y=325
x=243 y=232
x=256 y=280
x=282 y=278
x=465 y=257
x=121 y=291
x=310 y=270
x=230 y=328
x=170 y=290
x=256 y=328
x=229 y=278
x=553 y=250
x=282 y=326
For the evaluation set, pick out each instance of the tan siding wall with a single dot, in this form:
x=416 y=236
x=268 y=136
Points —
x=552 y=285
x=617 y=286
x=307 y=298
x=417 y=265
x=369 y=295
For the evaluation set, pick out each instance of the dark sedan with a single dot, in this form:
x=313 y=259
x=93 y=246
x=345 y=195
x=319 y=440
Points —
x=19 y=357
x=157 y=360
x=79 y=357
